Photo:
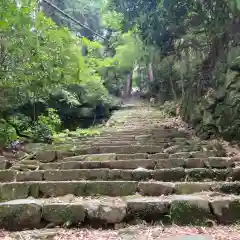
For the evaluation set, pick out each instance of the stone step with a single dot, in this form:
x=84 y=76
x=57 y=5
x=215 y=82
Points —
x=144 y=130
x=120 y=149
x=123 y=144
x=69 y=211
x=154 y=134
x=166 y=175
x=4 y=164
x=110 y=156
x=130 y=138
x=94 y=142
x=52 y=155
x=122 y=141
x=156 y=156
x=46 y=189
x=143 y=163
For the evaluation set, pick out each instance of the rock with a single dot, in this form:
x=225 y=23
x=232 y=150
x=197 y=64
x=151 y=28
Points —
x=115 y=188
x=118 y=174
x=143 y=139
x=4 y=164
x=158 y=156
x=29 y=176
x=46 y=156
x=182 y=129
x=56 y=189
x=226 y=210
x=61 y=213
x=61 y=154
x=69 y=165
x=20 y=214
x=172 y=149
x=7 y=175
x=192 y=187
x=141 y=174
x=13 y=190
x=197 y=154
x=180 y=155
x=76 y=174
x=218 y=162
x=169 y=175
x=193 y=163
x=131 y=156
x=200 y=174
x=169 y=163
x=129 y=164
x=155 y=188
x=93 y=157
x=147 y=208
x=228 y=188
x=50 y=166
x=192 y=210
x=107 y=211
x=235 y=175
x=236 y=158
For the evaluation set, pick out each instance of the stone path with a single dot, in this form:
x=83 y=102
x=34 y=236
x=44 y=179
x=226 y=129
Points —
x=138 y=169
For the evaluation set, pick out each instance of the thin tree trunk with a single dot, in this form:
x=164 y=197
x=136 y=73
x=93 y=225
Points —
x=173 y=90
x=150 y=72
x=128 y=88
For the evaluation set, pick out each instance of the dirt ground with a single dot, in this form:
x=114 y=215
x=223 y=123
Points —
x=140 y=232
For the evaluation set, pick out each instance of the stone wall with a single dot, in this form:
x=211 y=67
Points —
x=218 y=112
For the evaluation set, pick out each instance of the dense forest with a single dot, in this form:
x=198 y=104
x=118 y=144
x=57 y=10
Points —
x=56 y=73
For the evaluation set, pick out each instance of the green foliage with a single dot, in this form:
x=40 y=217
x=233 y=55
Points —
x=67 y=135
x=51 y=120
x=169 y=107
x=172 y=49
x=112 y=19
x=92 y=131
x=42 y=67
x=129 y=49
x=85 y=11
x=7 y=133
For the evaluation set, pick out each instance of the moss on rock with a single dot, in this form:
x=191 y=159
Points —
x=190 y=211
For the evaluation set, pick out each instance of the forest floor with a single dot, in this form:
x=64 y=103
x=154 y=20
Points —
x=139 y=232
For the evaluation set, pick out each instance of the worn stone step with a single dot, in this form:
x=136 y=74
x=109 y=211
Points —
x=71 y=211
x=52 y=155
x=109 y=156
x=108 y=138
x=130 y=138
x=114 y=164
x=121 y=149
x=154 y=135
x=168 y=133
x=125 y=141
x=36 y=189
x=4 y=163
x=151 y=163
x=123 y=145
x=17 y=190
x=155 y=156
x=167 y=175
x=122 y=142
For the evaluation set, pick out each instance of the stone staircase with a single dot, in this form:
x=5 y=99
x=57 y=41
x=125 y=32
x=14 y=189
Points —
x=137 y=169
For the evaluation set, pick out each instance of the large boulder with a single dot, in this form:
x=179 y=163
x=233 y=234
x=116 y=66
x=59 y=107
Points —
x=20 y=214
x=106 y=211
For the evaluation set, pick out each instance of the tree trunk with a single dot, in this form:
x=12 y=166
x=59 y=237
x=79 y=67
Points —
x=128 y=87
x=150 y=72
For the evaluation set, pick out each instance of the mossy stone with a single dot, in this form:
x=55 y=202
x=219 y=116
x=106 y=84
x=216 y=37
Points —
x=191 y=210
